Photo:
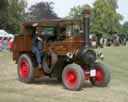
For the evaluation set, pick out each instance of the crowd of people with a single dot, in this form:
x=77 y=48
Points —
x=113 y=39
x=116 y=39
x=5 y=43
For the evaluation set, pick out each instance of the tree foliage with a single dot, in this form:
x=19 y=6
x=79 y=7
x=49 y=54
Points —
x=12 y=14
x=104 y=17
x=76 y=11
x=113 y=4
x=42 y=10
x=16 y=14
x=125 y=27
x=3 y=14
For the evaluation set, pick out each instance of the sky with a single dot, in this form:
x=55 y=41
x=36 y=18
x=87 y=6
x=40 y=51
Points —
x=62 y=7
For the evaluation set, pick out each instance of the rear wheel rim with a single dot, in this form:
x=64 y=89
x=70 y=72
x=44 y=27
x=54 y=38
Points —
x=24 y=68
x=71 y=78
x=99 y=75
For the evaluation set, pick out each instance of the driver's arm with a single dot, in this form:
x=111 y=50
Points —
x=39 y=38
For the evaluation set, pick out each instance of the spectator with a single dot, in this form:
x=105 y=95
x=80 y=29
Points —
x=5 y=43
x=1 y=44
x=10 y=42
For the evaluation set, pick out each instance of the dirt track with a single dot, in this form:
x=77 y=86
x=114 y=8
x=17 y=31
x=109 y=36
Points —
x=50 y=90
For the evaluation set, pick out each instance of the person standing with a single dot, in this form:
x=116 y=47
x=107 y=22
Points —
x=37 y=46
x=1 y=43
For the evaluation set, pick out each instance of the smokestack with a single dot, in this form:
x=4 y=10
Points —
x=86 y=27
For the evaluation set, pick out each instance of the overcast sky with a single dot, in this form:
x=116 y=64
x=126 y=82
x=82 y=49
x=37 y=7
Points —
x=62 y=7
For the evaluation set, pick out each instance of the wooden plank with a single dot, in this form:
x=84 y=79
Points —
x=38 y=72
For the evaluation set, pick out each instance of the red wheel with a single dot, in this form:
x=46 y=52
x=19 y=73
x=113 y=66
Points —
x=102 y=77
x=99 y=75
x=25 y=69
x=73 y=77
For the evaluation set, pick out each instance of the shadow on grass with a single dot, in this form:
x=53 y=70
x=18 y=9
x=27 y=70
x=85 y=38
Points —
x=47 y=81
x=55 y=82
x=87 y=85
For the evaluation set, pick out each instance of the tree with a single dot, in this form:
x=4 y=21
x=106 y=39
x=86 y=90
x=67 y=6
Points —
x=113 y=3
x=3 y=14
x=42 y=10
x=16 y=14
x=104 y=17
x=76 y=11
x=12 y=14
x=125 y=27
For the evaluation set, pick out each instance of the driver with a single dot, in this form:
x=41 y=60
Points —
x=37 y=46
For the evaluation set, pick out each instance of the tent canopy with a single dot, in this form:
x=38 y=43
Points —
x=3 y=33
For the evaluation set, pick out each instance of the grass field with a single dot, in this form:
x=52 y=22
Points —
x=47 y=90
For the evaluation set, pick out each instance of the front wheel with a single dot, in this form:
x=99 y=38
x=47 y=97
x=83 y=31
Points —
x=73 y=77
x=102 y=77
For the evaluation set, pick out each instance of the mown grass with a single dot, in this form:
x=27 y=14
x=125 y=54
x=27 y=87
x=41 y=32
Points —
x=49 y=90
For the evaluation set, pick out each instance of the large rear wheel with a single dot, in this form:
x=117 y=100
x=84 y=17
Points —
x=25 y=69
x=73 y=77
x=102 y=77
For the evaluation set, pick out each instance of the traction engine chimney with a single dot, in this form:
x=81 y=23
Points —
x=86 y=27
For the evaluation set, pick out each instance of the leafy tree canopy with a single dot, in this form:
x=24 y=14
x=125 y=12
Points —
x=12 y=14
x=125 y=27
x=42 y=10
x=104 y=15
